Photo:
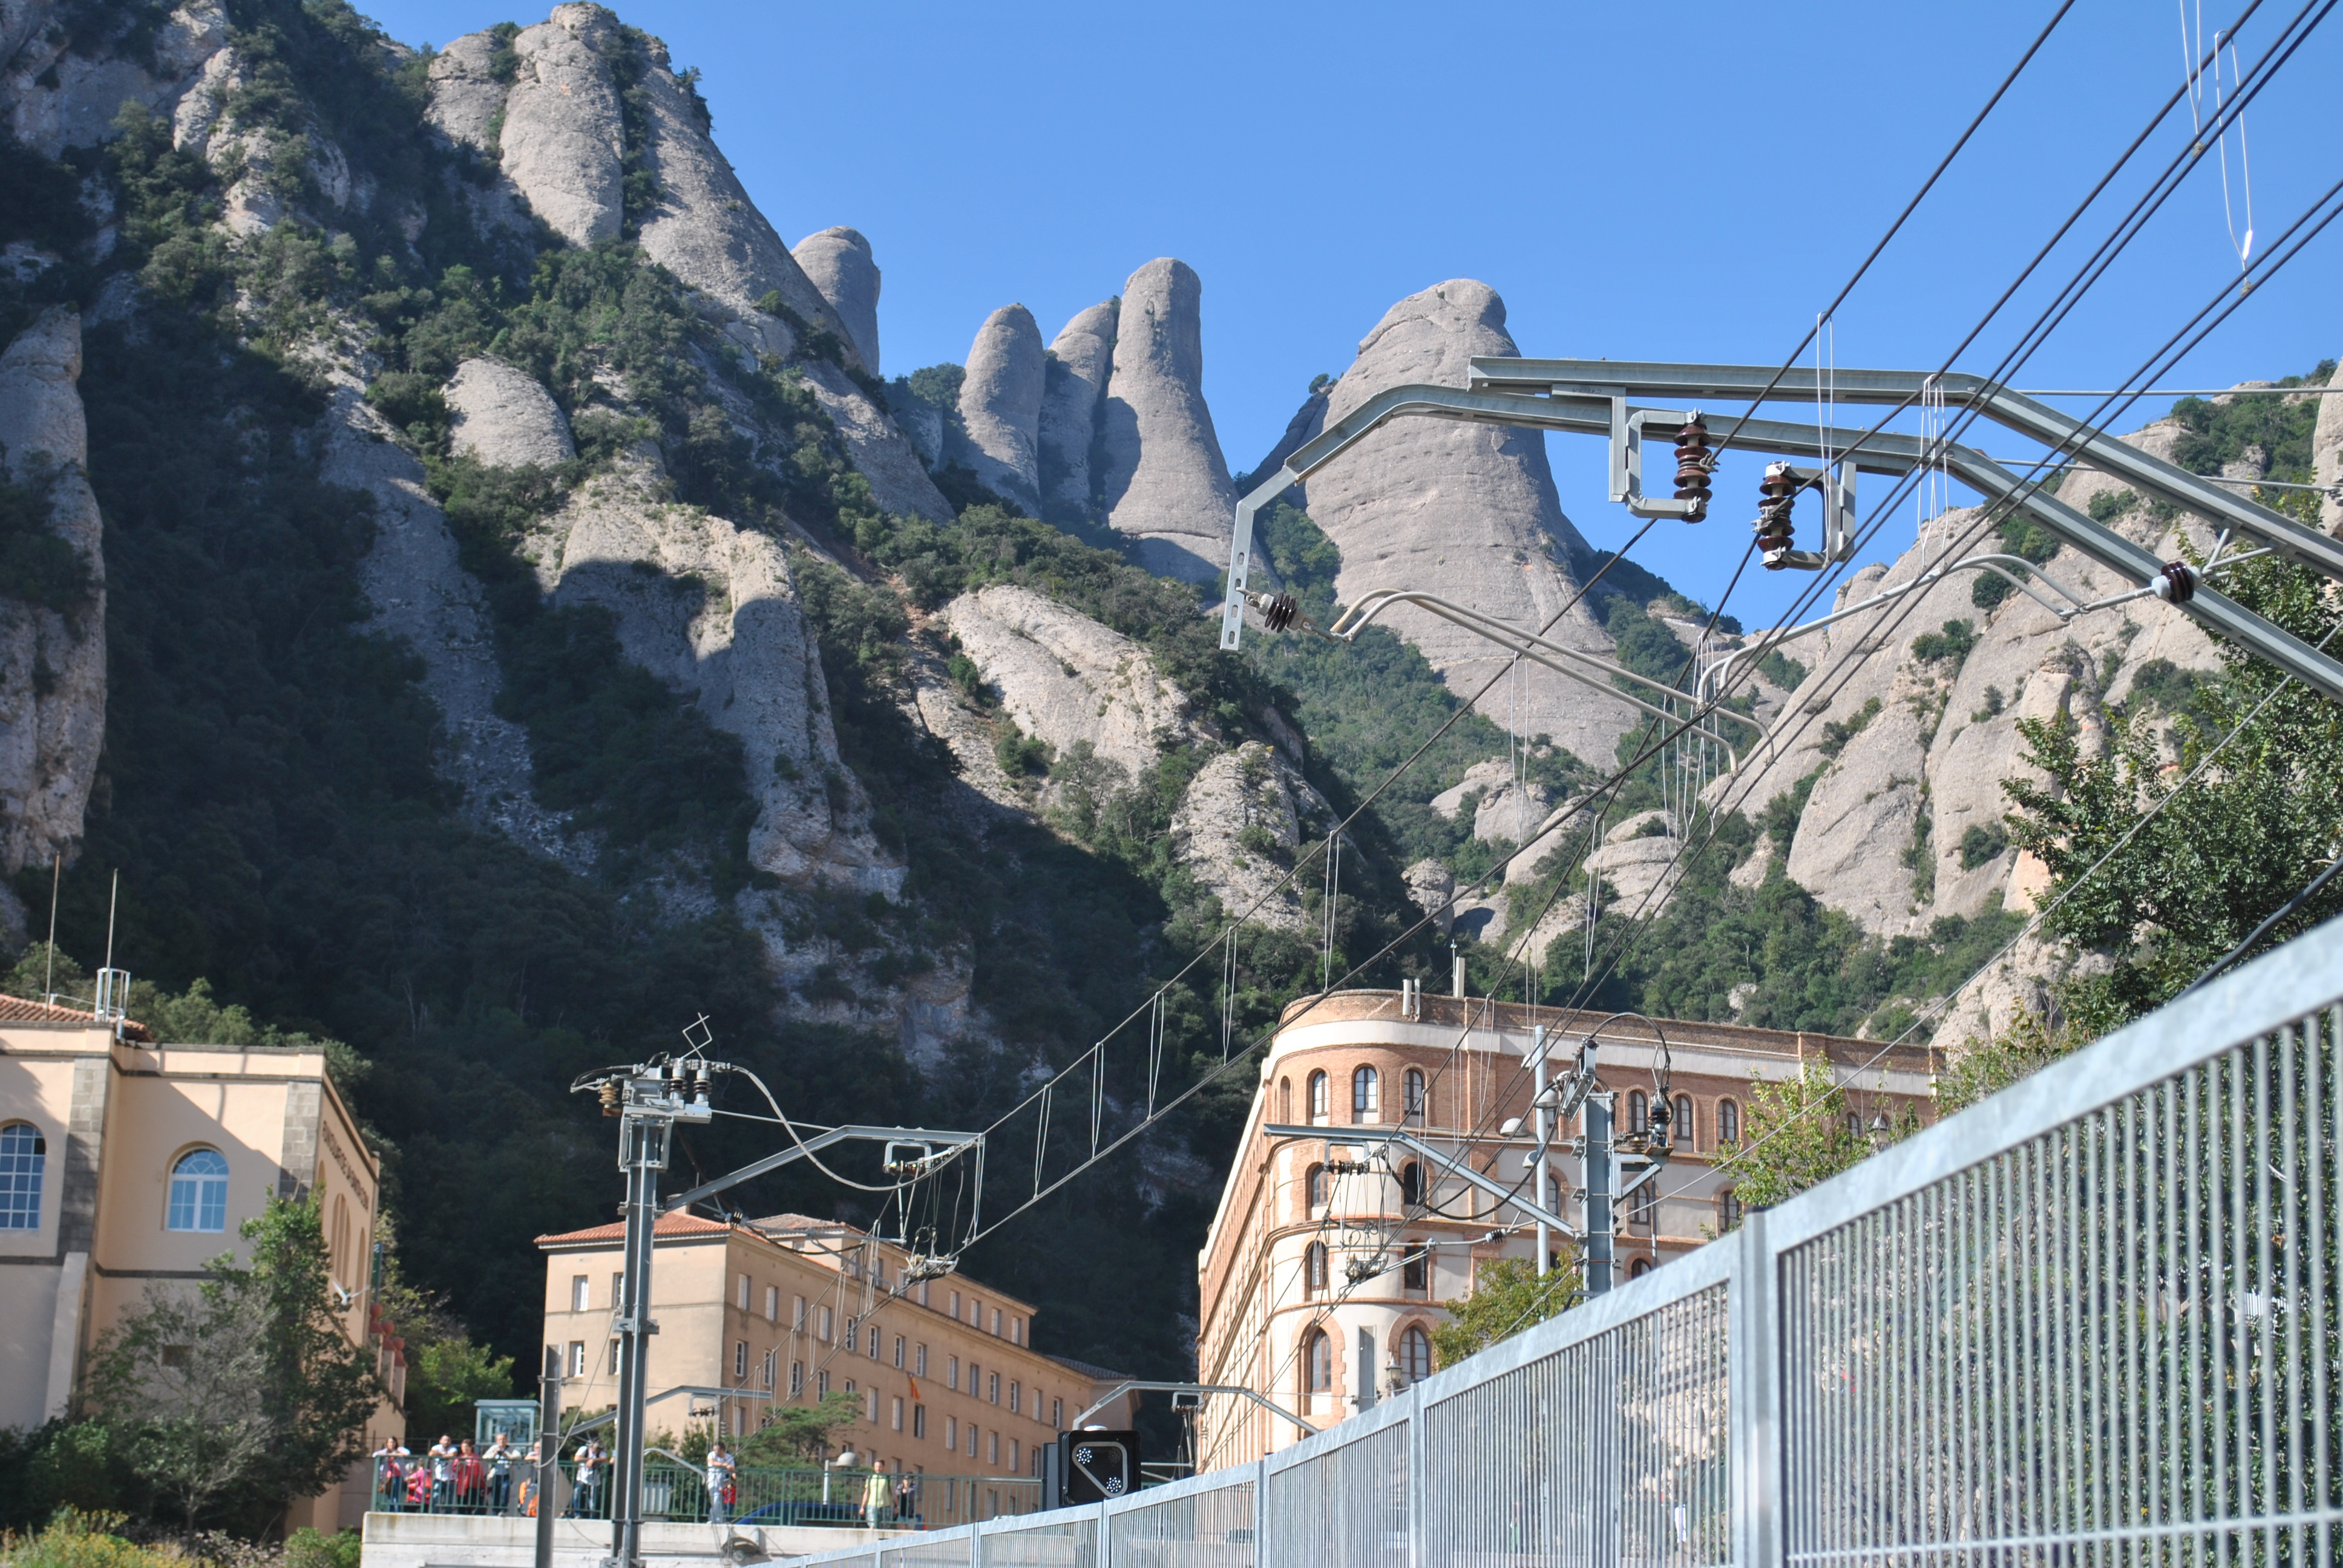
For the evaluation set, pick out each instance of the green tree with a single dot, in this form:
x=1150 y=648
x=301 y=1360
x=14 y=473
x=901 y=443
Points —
x=447 y=1374
x=241 y=1394
x=1795 y=1134
x=1508 y=1295
x=801 y=1433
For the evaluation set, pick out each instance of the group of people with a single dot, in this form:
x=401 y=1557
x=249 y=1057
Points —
x=454 y=1477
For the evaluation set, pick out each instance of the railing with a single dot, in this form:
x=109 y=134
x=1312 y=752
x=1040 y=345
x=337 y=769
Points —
x=2098 y=1321
x=759 y=1496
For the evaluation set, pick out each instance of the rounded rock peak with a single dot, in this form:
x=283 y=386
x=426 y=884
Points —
x=838 y=262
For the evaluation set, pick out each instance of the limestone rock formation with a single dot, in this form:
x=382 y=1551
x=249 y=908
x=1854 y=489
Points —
x=1430 y=885
x=1066 y=679
x=1001 y=405
x=562 y=143
x=55 y=95
x=712 y=610
x=899 y=480
x=2327 y=459
x=1166 y=483
x=564 y=136
x=505 y=418
x=1506 y=810
x=422 y=594
x=838 y=263
x=1073 y=397
x=1466 y=511
x=1239 y=827
x=52 y=656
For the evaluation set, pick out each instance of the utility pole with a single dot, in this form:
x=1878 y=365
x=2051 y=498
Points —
x=1545 y=1113
x=1598 y=1191
x=548 y=1454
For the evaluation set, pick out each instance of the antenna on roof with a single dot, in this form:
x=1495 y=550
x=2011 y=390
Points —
x=49 y=981
x=113 y=998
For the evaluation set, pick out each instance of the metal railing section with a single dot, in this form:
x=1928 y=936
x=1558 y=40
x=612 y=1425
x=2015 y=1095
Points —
x=2098 y=1321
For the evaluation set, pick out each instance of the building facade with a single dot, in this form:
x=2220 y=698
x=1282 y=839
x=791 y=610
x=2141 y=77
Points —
x=1329 y=1260
x=787 y=1308
x=126 y=1164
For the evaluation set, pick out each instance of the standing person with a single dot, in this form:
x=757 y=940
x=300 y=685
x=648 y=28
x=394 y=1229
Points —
x=586 y=1484
x=390 y=1475
x=876 y=1493
x=721 y=1473
x=443 y=1474
x=471 y=1478
x=907 y=1497
x=499 y=1461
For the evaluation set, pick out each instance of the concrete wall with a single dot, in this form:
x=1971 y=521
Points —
x=463 y=1541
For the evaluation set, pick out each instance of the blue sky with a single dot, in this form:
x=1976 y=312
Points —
x=1689 y=181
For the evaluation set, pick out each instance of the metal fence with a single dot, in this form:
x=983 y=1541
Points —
x=674 y=1492
x=2093 y=1322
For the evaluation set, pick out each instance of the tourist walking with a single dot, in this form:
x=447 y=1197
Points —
x=722 y=1472
x=876 y=1493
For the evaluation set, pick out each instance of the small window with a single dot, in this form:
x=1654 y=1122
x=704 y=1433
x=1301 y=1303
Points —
x=1015 y=1392
x=1646 y=1208
x=1366 y=1093
x=797 y=1379
x=741 y=1293
x=919 y=1420
x=1313 y=1268
x=951 y=1373
x=199 y=1191
x=1855 y=1124
x=1684 y=1131
x=872 y=1341
x=1410 y=1185
x=1318 y=1364
x=614 y=1358
x=898 y=1350
x=1728 y=1121
x=1318 y=1187
x=823 y=1335
x=1415 y=1355
x=578 y=1293
x=740 y=1358
x=577 y=1358
x=971 y=1438
x=1728 y=1209
x=1285 y=1101
x=1639 y=1113
x=820 y=1383
x=1415 y=1269
x=797 y=1314
x=992 y=1387
x=771 y=1357
x=895 y=1412
x=951 y=1432
x=992 y=1447
x=996 y=1322
x=617 y=1290
x=772 y=1303
x=1317 y=1094
x=1639 y=1268
x=1057 y=1412
x=1416 y=1100
x=919 y=1361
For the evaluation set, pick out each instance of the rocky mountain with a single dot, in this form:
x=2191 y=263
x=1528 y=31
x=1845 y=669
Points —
x=467 y=574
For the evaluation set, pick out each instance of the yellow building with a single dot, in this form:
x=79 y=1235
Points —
x=793 y=1309
x=126 y=1164
x=1327 y=1268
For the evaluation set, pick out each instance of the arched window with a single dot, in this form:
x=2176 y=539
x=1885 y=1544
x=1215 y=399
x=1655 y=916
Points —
x=1728 y=1210
x=338 y=1242
x=1415 y=1355
x=1639 y=1113
x=1646 y=1208
x=198 y=1192
x=1285 y=1101
x=1318 y=1364
x=1317 y=1094
x=1410 y=1185
x=1315 y=1185
x=1639 y=1268
x=1728 y=1121
x=1855 y=1124
x=1313 y=1268
x=1683 y=1131
x=1366 y=1093
x=1411 y=1086
x=24 y=1159
x=1416 y=1269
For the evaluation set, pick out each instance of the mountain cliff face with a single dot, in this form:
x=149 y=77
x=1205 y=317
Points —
x=465 y=572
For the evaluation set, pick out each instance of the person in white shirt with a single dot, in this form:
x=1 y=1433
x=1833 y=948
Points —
x=721 y=1473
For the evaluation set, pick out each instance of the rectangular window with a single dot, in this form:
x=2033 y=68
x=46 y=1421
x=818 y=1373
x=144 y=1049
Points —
x=853 y=1335
x=578 y=1293
x=1013 y=1406
x=951 y=1432
x=577 y=1358
x=871 y=1399
x=919 y=1420
x=975 y=1382
x=895 y=1411
x=820 y=1384
x=614 y=1356
x=797 y=1379
x=919 y=1362
x=874 y=1343
x=741 y=1294
x=955 y=1304
x=740 y=1358
x=992 y=1387
x=1058 y=1412
x=824 y=1334
x=772 y=1303
x=771 y=1356
x=1017 y=1330
x=898 y=1350
x=952 y=1371
x=971 y=1440
x=923 y=1292
x=994 y=1444
x=796 y=1315
x=1014 y=1462
x=996 y=1322
x=617 y=1290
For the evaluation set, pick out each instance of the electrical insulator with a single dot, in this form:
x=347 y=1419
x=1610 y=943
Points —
x=1778 y=492
x=609 y=1093
x=1694 y=463
x=2177 y=584
x=1278 y=612
x=1659 y=1138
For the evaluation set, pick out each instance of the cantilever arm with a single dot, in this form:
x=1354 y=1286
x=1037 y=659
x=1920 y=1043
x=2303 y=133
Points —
x=1133 y=1385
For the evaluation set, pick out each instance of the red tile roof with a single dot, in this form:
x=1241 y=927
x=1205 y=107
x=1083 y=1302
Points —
x=23 y=1009
x=666 y=1225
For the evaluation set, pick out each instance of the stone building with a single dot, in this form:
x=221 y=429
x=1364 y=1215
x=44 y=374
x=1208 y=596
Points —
x=1329 y=1262
x=787 y=1308
x=126 y=1164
